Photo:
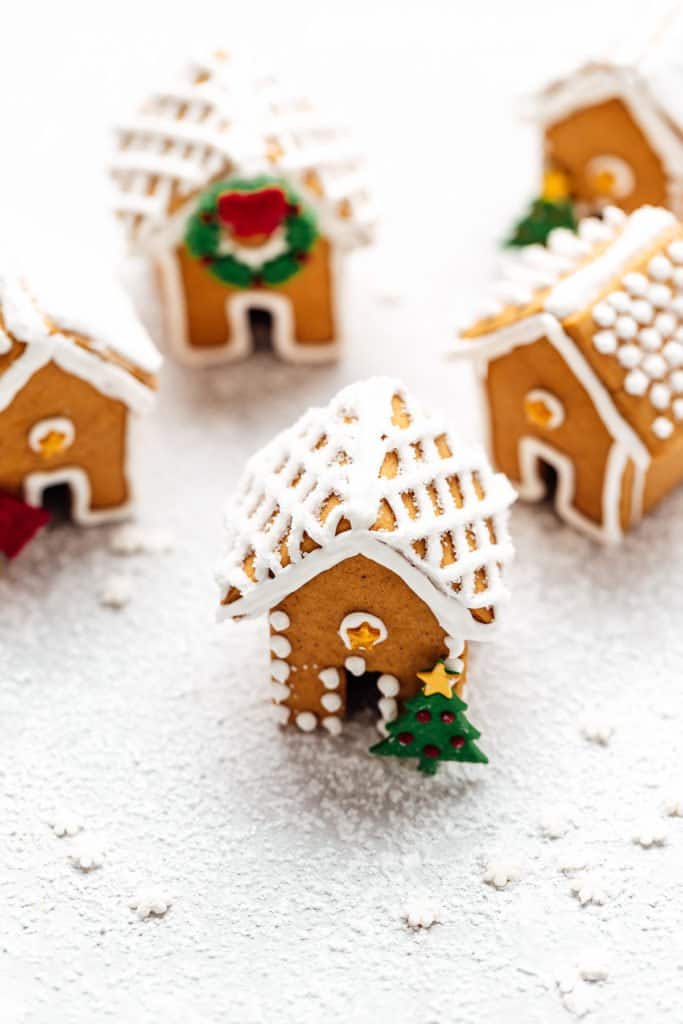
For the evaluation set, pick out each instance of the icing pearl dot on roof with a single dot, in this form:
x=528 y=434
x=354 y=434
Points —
x=673 y=353
x=659 y=295
x=650 y=339
x=678 y=408
x=643 y=311
x=626 y=327
x=665 y=324
x=605 y=342
x=654 y=365
x=619 y=301
x=660 y=268
x=676 y=380
x=662 y=428
x=675 y=251
x=629 y=356
x=660 y=396
x=604 y=315
x=636 y=383
x=637 y=284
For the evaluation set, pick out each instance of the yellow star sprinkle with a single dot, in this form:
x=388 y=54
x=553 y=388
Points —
x=52 y=444
x=555 y=186
x=438 y=681
x=364 y=637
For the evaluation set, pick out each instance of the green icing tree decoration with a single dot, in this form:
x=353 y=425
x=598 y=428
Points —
x=543 y=217
x=433 y=727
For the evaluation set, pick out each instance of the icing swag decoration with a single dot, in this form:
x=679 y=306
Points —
x=251 y=233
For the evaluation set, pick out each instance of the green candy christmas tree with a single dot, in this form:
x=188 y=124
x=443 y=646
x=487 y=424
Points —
x=553 y=209
x=434 y=726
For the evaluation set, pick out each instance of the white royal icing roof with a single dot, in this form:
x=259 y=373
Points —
x=38 y=309
x=220 y=118
x=340 y=450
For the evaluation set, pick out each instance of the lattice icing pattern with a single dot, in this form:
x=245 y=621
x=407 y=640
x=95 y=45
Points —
x=220 y=118
x=640 y=324
x=372 y=463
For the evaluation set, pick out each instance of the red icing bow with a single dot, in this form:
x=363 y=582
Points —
x=19 y=522
x=253 y=213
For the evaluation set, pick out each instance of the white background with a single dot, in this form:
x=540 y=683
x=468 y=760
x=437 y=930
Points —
x=290 y=859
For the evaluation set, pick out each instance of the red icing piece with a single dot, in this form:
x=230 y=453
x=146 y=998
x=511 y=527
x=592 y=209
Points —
x=405 y=738
x=447 y=716
x=253 y=213
x=431 y=751
x=458 y=742
x=19 y=523
x=423 y=715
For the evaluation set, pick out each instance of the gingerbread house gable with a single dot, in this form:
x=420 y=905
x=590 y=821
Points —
x=219 y=119
x=647 y=78
x=610 y=301
x=371 y=474
x=86 y=328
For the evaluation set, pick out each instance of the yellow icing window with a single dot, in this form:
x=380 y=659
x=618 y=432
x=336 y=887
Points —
x=542 y=409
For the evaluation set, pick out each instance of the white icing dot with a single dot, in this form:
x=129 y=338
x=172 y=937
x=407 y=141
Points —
x=665 y=324
x=660 y=268
x=329 y=677
x=642 y=311
x=620 y=301
x=677 y=306
x=637 y=284
x=604 y=315
x=659 y=295
x=279 y=670
x=654 y=366
x=662 y=428
x=675 y=251
x=279 y=620
x=605 y=342
x=629 y=356
x=593 y=230
x=331 y=701
x=660 y=396
x=355 y=664
x=280 y=713
x=332 y=724
x=613 y=216
x=626 y=328
x=388 y=709
x=388 y=685
x=280 y=646
x=306 y=721
x=279 y=691
x=673 y=353
x=650 y=339
x=676 y=381
x=636 y=383
x=678 y=277
x=677 y=407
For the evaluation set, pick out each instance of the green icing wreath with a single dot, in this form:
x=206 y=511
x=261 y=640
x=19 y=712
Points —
x=249 y=208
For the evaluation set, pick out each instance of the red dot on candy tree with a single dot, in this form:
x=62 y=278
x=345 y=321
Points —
x=405 y=738
x=447 y=716
x=458 y=742
x=431 y=751
x=424 y=716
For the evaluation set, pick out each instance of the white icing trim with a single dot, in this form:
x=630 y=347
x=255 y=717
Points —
x=388 y=709
x=55 y=424
x=280 y=670
x=551 y=402
x=306 y=721
x=237 y=307
x=453 y=617
x=532 y=487
x=280 y=646
x=333 y=724
x=579 y=290
x=279 y=621
x=36 y=483
x=355 y=665
x=355 y=619
x=280 y=712
x=330 y=678
x=331 y=701
x=624 y=178
x=279 y=691
x=388 y=685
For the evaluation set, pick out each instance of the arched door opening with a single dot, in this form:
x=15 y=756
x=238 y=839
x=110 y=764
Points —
x=261 y=329
x=57 y=499
x=362 y=693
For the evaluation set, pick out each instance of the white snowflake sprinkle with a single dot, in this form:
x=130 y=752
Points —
x=150 y=903
x=421 y=913
x=64 y=823
x=116 y=592
x=87 y=855
x=594 y=965
x=597 y=729
x=135 y=540
x=500 y=873
x=650 y=833
x=555 y=824
x=673 y=804
x=590 y=888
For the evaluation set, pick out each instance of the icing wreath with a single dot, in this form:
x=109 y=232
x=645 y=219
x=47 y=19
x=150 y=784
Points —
x=250 y=233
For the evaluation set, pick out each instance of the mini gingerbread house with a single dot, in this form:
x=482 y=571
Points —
x=246 y=203
x=75 y=366
x=581 y=354
x=613 y=128
x=376 y=540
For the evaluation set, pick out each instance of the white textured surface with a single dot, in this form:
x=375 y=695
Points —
x=288 y=860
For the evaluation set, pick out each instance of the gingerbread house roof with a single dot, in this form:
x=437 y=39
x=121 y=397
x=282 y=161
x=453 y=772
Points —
x=84 y=324
x=371 y=473
x=645 y=72
x=218 y=118
x=610 y=299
